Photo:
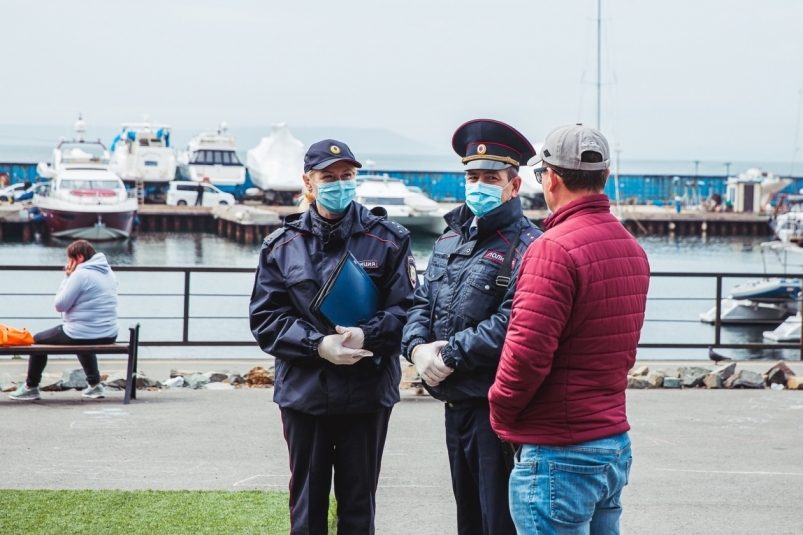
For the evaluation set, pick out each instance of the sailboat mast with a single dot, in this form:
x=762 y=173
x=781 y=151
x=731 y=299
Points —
x=599 y=63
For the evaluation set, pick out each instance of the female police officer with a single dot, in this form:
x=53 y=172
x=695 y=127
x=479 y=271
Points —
x=335 y=402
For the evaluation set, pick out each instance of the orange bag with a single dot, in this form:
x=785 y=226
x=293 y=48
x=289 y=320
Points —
x=9 y=336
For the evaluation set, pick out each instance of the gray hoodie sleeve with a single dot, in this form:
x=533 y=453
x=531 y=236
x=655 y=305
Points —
x=69 y=291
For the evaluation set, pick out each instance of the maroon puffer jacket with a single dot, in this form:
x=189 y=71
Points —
x=575 y=323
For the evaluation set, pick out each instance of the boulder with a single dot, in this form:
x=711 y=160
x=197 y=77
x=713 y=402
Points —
x=726 y=371
x=217 y=385
x=7 y=386
x=217 y=377
x=713 y=380
x=638 y=382
x=775 y=376
x=666 y=372
x=196 y=380
x=745 y=379
x=259 y=376
x=75 y=378
x=50 y=384
x=793 y=383
x=236 y=379
x=691 y=380
x=655 y=379
x=183 y=373
x=673 y=382
x=116 y=379
x=641 y=371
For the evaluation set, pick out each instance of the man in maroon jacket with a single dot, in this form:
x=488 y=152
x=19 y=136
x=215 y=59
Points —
x=575 y=323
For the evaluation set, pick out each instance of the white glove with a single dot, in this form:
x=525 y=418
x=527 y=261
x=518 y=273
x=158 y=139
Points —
x=429 y=364
x=332 y=349
x=353 y=338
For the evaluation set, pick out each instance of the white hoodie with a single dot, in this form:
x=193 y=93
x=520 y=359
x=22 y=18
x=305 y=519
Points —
x=87 y=300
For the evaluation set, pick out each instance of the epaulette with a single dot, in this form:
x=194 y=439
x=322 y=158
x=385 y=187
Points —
x=528 y=236
x=395 y=228
x=271 y=239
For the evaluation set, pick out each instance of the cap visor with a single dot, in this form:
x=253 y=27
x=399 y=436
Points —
x=486 y=165
x=326 y=163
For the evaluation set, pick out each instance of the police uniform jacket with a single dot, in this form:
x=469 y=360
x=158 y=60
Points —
x=294 y=263
x=458 y=302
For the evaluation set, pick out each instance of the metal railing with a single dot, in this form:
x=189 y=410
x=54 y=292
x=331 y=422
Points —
x=187 y=317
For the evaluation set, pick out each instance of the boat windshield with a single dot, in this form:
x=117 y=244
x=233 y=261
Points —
x=89 y=184
x=215 y=157
x=85 y=152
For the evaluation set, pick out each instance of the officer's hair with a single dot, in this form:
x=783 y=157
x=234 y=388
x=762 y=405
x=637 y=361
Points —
x=580 y=180
x=512 y=172
x=307 y=197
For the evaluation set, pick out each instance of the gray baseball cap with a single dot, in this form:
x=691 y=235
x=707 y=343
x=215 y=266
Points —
x=565 y=145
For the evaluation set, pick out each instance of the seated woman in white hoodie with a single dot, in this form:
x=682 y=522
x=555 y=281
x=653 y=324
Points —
x=87 y=300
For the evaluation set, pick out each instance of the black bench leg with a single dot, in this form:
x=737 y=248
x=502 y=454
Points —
x=133 y=351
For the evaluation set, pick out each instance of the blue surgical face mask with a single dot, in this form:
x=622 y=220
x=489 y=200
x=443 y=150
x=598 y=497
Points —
x=482 y=198
x=336 y=196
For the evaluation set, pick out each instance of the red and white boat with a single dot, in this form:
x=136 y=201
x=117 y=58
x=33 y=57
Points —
x=85 y=199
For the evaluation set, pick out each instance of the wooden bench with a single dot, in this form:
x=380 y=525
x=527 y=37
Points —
x=131 y=349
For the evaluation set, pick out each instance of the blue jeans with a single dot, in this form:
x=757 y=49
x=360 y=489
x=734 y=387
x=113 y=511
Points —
x=570 y=489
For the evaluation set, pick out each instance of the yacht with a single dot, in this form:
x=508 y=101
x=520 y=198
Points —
x=405 y=205
x=213 y=156
x=768 y=300
x=141 y=152
x=276 y=166
x=85 y=199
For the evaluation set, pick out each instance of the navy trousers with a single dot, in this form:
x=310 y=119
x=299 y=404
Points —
x=349 y=444
x=479 y=474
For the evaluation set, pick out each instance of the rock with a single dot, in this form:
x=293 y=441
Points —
x=783 y=367
x=775 y=376
x=7 y=386
x=196 y=380
x=50 y=384
x=672 y=382
x=174 y=382
x=116 y=379
x=795 y=383
x=638 y=382
x=218 y=386
x=745 y=379
x=777 y=386
x=259 y=376
x=75 y=378
x=666 y=372
x=183 y=373
x=217 y=377
x=694 y=376
x=641 y=371
x=726 y=371
x=655 y=379
x=236 y=379
x=713 y=380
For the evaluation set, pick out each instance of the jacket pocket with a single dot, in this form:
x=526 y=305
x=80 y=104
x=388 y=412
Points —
x=478 y=301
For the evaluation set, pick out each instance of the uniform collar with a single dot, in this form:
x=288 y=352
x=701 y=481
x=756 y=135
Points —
x=461 y=218
x=357 y=219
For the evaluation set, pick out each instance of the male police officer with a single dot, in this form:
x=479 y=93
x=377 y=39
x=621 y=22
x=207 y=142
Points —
x=456 y=327
x=335 y=403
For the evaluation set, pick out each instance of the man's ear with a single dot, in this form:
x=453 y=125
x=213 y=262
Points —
x=515 y=187
x=553 y=180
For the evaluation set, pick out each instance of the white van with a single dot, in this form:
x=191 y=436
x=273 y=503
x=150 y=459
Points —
x=183 y=193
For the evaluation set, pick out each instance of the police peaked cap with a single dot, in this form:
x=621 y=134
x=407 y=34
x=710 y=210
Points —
x=491 y=145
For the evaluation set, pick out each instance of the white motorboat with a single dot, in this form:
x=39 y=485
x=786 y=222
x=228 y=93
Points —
x=213 y=156
x=141 y=152
x=85 y=200
x=408 y=206
x=276 y=165
x=788 y=226
x=768 y=300
x=788 y=331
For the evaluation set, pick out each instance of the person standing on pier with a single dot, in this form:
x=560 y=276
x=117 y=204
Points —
x=457 y=325
x=87 y=300
x=335 y=401
x=574 y=327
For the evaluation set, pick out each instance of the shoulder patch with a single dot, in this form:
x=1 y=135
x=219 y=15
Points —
x=412 y=272
x=528 y=236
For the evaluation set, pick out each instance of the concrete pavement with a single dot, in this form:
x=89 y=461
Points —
x=705 y=461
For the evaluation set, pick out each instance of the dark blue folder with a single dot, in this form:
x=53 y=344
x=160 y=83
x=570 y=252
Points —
x=348 y=297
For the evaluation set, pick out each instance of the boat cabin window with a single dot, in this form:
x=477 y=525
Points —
x=383 y=201
x=143 y=142
x=89 y=184
x=215 y=157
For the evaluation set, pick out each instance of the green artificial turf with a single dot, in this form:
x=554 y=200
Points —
x=146 y=512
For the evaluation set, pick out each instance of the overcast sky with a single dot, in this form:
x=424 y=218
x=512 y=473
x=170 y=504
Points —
x=686 y=79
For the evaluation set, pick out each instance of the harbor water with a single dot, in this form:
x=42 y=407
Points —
x=219 y=302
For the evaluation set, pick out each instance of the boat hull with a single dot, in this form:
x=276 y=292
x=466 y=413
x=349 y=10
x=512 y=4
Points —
x=746 y=312
x=95 y=226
